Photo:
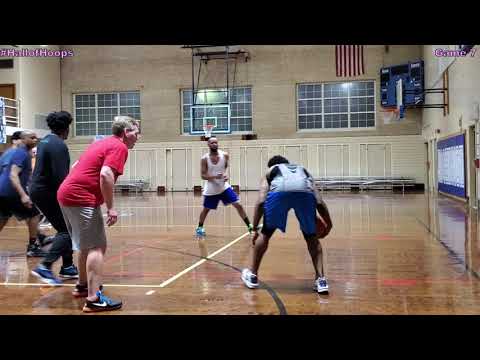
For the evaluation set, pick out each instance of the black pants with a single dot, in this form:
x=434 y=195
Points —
x=46 y=202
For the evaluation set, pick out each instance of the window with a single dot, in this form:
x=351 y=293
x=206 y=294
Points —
x=240 y=106
x=346 y=105
x=94 y=113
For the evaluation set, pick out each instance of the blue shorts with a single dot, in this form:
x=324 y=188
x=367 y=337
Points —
x=278 y=204
x=228 y=197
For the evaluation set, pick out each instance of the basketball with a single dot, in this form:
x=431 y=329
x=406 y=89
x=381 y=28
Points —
x=321 y=228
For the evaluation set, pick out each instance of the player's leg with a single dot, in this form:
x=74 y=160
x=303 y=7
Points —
x=5 y=212
x=275 y=217
x=210 y=202
x=32 y=218
x=230 y=197
x=304 y=205
x=3 y=222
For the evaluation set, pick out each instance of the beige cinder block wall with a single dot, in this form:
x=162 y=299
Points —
x=166 y=157
x=160 y=72
x=464 y=92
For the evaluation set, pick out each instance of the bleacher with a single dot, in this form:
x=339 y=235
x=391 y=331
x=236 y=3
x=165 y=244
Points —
x=364 y=183
x=137 y=185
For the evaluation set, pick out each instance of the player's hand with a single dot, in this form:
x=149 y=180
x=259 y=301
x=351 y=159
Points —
x=219 y=176
x=225 y=178
x=112 y=217
x=26 y=201
x=327 y=230
x=254 y=236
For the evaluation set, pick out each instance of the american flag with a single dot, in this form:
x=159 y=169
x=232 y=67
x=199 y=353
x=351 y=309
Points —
x=349 y=60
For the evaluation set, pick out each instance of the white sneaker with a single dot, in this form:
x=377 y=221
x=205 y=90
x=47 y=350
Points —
x=321 y=285
x=249 y=279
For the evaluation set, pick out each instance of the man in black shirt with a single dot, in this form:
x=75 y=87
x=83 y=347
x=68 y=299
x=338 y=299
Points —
x=51 y=168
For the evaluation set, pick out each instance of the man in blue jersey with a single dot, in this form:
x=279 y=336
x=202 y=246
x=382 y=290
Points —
x=288 y=186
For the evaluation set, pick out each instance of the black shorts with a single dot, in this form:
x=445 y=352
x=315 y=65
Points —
x=13 y=207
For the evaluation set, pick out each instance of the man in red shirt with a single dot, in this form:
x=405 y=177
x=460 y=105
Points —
x=89 y=184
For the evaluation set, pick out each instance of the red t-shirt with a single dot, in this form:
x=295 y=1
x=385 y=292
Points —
x=82 y=185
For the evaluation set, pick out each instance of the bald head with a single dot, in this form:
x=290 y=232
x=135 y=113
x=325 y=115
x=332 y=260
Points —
x=29 y=138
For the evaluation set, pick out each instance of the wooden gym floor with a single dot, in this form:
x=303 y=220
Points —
x=387 y=254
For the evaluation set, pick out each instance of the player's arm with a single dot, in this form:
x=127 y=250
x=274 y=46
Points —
x=107 y=182
x=321 y=206
x=323 y=212
x=262 y=195
x=227 y=158
x=60 y=166
x=204 y=169
x=17 y=185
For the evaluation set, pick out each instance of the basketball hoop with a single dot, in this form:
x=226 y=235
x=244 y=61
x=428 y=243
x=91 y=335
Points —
x=390 y=115
x=207 y=129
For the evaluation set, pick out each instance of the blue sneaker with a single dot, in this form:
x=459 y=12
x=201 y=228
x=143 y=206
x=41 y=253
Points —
x=45 y=275
x=102 y=303
x=321 y=285
x=200 y=231
x=69 y=272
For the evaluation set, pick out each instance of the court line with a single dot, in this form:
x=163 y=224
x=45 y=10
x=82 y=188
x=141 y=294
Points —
x=200 y=262
x=72 y=285
x=152 y=226
x=162 y=285
x=169 y=207
x=263 y=285
x=280 y=305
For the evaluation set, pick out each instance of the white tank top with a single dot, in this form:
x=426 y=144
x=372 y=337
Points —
x=215 y=186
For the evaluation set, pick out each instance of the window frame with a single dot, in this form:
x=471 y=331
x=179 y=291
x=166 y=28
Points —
x=349 y=97
x=118 y=107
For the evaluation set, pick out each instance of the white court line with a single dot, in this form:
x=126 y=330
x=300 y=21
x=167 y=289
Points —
x=162 y=285
x=152 y=226
x=167 y=207
x=200 y=262
x=72 y=285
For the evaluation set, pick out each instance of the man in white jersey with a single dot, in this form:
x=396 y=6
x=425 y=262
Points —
x=214 y=166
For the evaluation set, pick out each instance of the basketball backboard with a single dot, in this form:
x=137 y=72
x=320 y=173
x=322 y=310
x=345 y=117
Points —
x=218 y=115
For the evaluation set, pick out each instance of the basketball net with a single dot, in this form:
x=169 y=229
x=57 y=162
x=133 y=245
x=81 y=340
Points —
x=390 y=115
x=207 y=129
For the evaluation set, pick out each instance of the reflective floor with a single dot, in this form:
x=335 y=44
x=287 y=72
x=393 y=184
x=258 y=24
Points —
x=387 y=254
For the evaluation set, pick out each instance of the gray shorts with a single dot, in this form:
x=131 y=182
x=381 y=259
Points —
x=85 y=226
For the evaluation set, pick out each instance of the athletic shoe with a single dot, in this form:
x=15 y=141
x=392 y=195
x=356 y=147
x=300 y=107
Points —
x=46 y=275
x=200 y=231
x=44 y=223
x=103 y=303
x=249 y=279
x=69 y=272
x=44 y=240
x=321 y=285
x=80 y=290
x=34 y=250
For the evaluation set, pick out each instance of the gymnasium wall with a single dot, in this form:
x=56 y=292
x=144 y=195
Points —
x=160 y=72
x=464 y=91
x=9 y=76
x=40 y=89
x=37 y=85
x=176 y=165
